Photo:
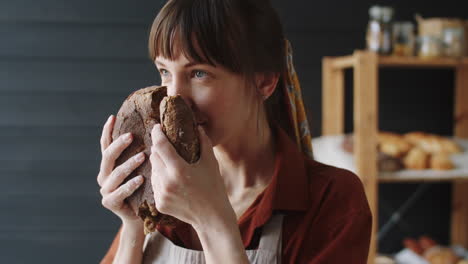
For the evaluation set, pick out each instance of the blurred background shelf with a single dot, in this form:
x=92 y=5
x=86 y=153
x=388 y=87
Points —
x=397 y=61
x=365 y=66
x=423 y=176
x=328 y=150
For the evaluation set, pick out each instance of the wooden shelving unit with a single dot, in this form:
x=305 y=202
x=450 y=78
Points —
x=366 y=74
x=382 y=178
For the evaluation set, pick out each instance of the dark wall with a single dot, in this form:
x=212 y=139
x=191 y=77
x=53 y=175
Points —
x=65 y=66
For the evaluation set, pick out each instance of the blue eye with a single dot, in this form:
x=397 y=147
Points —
x=200 y=74
x=163 y=72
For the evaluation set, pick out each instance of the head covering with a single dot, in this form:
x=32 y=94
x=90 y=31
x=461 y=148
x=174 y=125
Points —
x=295 y=105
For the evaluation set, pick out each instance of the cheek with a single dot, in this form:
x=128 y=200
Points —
x=214 y=107
x=218 y=109
x=228 y=112
x=225 y=108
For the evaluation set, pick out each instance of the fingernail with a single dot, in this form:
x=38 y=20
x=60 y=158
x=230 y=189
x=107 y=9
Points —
x=139 y=179
x=109 y=118
x=140 y=157
x=128 y=137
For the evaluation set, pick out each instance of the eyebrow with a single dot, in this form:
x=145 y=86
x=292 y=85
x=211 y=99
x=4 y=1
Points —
x=190 y=64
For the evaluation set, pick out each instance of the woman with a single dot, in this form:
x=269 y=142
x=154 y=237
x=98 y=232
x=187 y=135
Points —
x=253 y=195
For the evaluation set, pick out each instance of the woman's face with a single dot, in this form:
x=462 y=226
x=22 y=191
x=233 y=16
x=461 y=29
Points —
x=218 y=96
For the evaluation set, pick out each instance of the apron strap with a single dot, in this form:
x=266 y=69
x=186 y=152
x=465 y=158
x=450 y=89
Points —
x=271 y=234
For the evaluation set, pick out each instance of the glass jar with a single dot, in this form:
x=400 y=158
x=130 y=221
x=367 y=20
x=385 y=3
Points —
x=403 y=39
x=453 y=42
x=379 y=33
x=429 y=47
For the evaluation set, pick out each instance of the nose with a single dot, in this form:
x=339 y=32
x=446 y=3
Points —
x=179 y=86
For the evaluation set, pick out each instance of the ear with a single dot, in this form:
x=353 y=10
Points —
x=266 y=83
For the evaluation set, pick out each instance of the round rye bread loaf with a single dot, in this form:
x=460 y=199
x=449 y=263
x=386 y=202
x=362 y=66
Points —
x=138 y=114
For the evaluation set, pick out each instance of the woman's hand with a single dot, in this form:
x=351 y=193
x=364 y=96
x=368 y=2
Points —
x=109 y=179
x=193 y=193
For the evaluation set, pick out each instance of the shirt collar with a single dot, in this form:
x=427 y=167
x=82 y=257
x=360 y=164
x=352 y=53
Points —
x=288 y=189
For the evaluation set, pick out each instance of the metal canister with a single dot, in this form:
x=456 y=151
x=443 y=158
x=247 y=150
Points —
x=379 y=32
x=453 y=42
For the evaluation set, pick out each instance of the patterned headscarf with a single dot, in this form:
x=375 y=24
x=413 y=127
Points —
x=295 y=105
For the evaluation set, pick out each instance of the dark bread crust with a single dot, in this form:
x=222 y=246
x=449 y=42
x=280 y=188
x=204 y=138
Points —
x=138 y=114
x=179 y=125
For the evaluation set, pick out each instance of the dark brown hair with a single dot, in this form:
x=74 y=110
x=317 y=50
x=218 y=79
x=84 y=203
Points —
x=244 y=36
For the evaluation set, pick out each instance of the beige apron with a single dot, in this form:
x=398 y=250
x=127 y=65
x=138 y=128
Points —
x=158 y=249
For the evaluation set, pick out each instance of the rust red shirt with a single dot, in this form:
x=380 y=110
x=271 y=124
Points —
x=327 y=217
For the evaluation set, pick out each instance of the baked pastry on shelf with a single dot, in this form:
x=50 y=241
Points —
x=414 y=150
x=416 y=159
x=434 y=253
x=393 y=144
x=431 y=143
x=441 y=161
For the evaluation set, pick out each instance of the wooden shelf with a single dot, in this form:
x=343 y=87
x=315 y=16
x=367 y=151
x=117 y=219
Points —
x=365 y=67
x=396 y=61
x=413 y=176
x=393 y=61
